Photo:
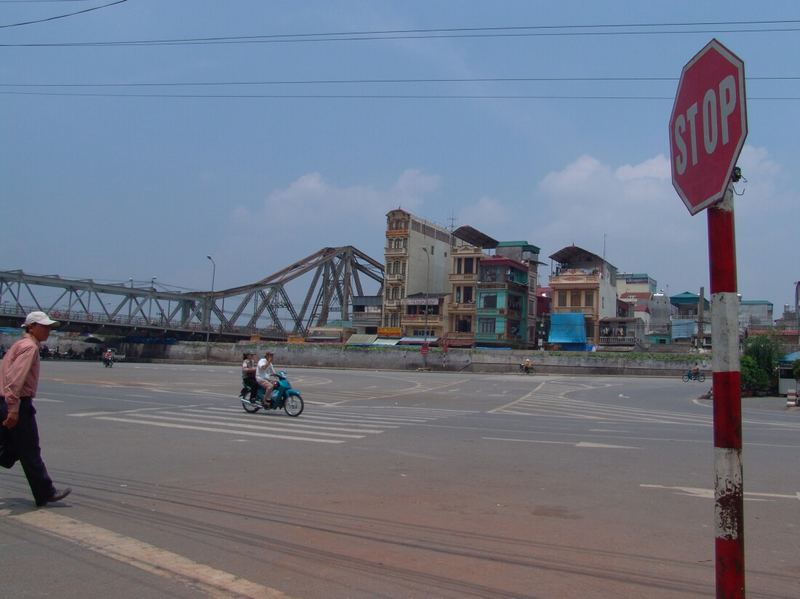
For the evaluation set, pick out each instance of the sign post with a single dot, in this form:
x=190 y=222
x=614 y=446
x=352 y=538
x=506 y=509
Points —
x=707 y=130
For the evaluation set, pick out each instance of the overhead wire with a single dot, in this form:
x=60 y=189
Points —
x=450 y=32
x=64 y=16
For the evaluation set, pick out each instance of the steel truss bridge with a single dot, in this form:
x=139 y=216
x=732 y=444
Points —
x=328 y=280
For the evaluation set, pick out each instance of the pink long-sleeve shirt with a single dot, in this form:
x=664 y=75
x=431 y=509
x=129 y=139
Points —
x=19 y=375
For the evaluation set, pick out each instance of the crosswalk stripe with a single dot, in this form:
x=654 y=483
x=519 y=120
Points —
x=217 y=430
x=283 y=423
x=219 y=422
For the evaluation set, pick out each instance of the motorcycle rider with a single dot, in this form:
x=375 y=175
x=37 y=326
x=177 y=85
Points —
x=264 y=369
x=694 y=373
x=108 y=357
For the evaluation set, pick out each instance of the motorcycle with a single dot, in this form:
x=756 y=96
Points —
x=108 y=362
x=689 y=376
x=526 y=368
x=283 y=396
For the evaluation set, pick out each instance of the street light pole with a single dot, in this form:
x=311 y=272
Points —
x=150 y=305
x=208 y=307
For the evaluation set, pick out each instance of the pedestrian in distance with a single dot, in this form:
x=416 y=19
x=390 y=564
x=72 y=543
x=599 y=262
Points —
x=19 y=434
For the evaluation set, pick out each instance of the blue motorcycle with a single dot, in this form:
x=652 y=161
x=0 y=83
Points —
x=283 y=395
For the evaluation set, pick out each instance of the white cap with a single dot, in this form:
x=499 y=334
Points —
x=38 y=317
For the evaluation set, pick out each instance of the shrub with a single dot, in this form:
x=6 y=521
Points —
x=753 y=378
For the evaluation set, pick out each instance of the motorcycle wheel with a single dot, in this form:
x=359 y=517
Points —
x=250 y=407
x=685 y=378
x=701 y=377
x=293 y=406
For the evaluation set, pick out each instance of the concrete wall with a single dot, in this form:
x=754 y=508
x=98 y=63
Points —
x=468 y=360
x=399 y=357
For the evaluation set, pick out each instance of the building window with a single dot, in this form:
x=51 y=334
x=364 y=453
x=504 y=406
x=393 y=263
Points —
x=490 y=301
x=458 y=295
x=562 y=298
x=588 y=299
x=468 y=266
x=575 y=298
x=486 y=325
x=468 y=295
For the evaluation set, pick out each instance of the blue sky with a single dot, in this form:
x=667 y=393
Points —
x=115 y=182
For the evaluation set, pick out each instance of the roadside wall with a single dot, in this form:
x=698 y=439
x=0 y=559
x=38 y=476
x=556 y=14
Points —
x=468 y=360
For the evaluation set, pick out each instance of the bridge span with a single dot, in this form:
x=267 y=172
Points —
x=327 y=280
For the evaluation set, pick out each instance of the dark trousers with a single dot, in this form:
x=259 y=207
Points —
x=22 y=443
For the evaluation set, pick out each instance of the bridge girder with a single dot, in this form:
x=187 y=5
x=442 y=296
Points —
x=263 y=308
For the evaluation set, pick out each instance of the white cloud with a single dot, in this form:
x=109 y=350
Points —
x=488 y=215
x=312 y=213
x=636 y=214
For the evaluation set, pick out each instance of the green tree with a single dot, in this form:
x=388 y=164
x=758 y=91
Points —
x=765 y=351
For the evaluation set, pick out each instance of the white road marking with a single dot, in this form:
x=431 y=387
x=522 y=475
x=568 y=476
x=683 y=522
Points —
x=152 y=559
x=578 y=444
x=217 y=430
x=48 y=400
x=709 y=493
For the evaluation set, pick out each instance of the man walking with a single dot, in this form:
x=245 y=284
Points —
x=19 y=434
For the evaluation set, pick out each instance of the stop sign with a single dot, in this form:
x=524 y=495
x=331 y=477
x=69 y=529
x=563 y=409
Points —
x=708 y=125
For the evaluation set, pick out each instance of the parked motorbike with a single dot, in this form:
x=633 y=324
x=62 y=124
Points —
x=689 y=376
x=283 y=396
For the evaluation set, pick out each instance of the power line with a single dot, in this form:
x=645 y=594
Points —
x=644 y=78
x=450 y=32
x=71 y=14
x=370 y=96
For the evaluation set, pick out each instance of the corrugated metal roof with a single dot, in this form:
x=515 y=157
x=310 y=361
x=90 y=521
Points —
x=360 y=339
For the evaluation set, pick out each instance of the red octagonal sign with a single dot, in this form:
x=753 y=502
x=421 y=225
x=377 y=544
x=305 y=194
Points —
x=708 y=125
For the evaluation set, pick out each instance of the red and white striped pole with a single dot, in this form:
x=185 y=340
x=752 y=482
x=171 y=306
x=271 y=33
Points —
x=728 y=479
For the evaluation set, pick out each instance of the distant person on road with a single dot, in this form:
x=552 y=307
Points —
x=264 y=369
x=19 y=434
x=695 y=372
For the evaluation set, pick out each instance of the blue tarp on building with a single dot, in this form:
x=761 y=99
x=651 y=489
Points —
x=568 y=329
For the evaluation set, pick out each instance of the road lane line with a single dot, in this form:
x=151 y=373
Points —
x=141 y=555
x=582 y=444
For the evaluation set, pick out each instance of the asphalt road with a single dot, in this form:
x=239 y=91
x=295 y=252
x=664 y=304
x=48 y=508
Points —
x=391 y=484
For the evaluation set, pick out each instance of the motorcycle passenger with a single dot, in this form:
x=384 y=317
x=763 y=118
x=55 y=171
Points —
x=264 y=369
x=249 y=374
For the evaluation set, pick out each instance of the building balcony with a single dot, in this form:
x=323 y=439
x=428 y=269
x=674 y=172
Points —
x=394 y=233
x=463 y=278
x=571 y=277
x=586 y=310
x=391 y=304
x=461 y=307
x=629 y=340
x=395 y=251
x=394 y=277
x=431 y=319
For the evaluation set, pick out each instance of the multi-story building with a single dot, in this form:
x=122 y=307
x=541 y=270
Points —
x=528 y=254
x=584 y=284
x=637 y=290
x=415 y=280
x=502 y=302
x=472 y=248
